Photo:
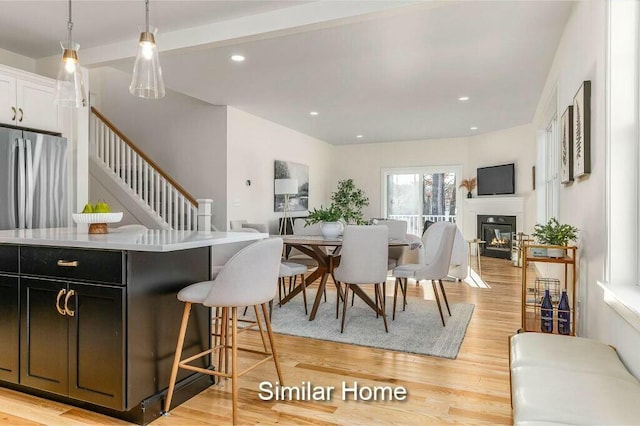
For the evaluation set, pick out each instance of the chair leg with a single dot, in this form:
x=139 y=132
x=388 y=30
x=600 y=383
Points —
x=403 y=287
x=435 y=292
x=395 y=296
x=304 y=292
x=338 y=297
x=280 y=284
x=384 y=295
x=292 y=282
x=267 y=321
x=444 y=294
x=376 y=297
x=264 y=341
x=384 y=315
x=353 y=295
x=176 y=358
x=234 y=363
x=344 y=305
x=225 y=340
x=216 y=328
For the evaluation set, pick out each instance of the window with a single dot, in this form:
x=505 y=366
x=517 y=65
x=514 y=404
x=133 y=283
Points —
x=622 y=269
x=420 y=194
x=552 y=162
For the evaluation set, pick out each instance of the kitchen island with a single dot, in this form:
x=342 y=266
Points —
x=93 y=320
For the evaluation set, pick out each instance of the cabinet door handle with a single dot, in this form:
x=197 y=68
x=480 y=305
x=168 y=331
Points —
x=66 y=304
x=58 y=308
x=21 y=114
x=68 y=263
x=13 y=110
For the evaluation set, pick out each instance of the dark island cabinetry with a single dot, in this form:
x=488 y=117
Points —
x=97 y=328
x=73 y=340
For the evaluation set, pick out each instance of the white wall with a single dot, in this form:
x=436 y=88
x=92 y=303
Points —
x=184 y=136
x=14 y=60
x=253 y=145
x=581 y=56
x=364 y=162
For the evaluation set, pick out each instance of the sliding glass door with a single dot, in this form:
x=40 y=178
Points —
x=420 y=194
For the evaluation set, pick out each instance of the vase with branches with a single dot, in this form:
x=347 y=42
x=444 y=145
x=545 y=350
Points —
x=469 y=185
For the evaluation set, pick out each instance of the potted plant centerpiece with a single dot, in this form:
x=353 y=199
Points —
x=329 y=219
x=554 y=233
x=346 y=208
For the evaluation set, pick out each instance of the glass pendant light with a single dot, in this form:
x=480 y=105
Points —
x=147 y=74
x=69 y=85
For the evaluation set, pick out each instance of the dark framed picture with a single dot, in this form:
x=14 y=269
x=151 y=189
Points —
x=566 y=146
x=287 y=173
x=582 y=130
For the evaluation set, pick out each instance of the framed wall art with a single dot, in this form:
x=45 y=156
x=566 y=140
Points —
x=287 y=174
x=566 y=145
x=582 y=130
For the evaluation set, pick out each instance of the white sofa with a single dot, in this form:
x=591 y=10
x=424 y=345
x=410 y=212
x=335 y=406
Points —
x=570 y=380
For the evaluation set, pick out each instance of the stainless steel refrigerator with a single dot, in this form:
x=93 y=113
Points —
x=33 y=180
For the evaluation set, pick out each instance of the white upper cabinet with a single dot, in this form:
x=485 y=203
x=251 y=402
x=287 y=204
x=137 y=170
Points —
x=26 y=100
x=8 y=111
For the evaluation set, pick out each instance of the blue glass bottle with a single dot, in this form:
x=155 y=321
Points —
x=564 y=323
x=546 y=313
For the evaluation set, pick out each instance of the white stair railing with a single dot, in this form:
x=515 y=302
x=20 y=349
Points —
x=170 y=201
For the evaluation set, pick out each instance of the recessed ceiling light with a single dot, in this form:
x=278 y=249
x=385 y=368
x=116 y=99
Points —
x=463 y=98
x=237 y=58
x=313 y=113
x=474 y=128
x=359 y=136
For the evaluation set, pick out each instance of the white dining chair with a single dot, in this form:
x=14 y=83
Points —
x=363 y=260
x=247 y=279
x=459 y=266
x=292 y=271
x=397 y=231
x=438 y=244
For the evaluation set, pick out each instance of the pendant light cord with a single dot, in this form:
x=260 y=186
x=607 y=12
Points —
x=69 y=26
x=146 y=6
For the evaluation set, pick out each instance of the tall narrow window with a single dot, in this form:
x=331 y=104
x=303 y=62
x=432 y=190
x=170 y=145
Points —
x=552 y=177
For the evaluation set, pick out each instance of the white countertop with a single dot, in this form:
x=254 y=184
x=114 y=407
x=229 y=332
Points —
x=142 y=240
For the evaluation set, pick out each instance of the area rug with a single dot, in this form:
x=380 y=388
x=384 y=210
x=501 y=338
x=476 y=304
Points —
x=417 y=330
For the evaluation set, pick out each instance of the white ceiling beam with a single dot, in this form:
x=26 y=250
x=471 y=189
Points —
x=305 y=17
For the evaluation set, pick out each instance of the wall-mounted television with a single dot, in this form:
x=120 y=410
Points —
x=496 y=180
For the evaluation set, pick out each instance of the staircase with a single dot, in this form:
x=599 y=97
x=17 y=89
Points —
x=153 y=197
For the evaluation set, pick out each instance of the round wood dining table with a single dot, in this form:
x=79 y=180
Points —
x=327 y=253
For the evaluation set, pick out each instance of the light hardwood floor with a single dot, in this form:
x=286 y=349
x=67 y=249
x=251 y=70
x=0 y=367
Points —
x=472 y=389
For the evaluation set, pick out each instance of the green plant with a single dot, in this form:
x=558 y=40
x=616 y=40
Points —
x=324 y=214
x=554 y=233
x=350 y=200
x=346 y=206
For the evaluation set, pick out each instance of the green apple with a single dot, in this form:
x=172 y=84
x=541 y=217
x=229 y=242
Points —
x=88 y=208
x=102 y=207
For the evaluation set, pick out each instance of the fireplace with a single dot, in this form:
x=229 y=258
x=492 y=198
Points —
x=499 y=233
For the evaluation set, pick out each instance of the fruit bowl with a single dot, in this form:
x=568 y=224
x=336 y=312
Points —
x=97 y=221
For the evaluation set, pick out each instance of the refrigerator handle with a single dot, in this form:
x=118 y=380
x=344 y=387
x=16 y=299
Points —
x=30 y=184
x=21 y=184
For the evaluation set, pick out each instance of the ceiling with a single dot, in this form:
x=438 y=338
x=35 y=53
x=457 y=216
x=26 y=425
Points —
x=392 y=75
